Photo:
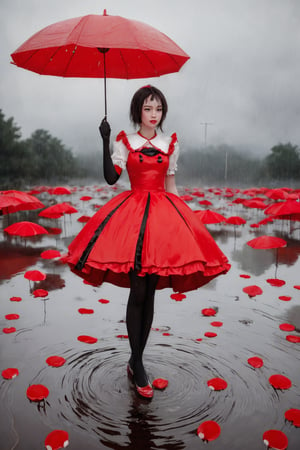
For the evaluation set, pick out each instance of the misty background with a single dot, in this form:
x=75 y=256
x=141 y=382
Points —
x=240 y=89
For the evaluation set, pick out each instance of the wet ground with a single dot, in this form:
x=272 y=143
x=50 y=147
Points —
x=91 y=397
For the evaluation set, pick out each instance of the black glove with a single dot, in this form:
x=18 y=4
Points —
x=105 y=130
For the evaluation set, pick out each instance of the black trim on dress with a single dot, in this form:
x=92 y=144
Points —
x=139 y=245
x=88 y=249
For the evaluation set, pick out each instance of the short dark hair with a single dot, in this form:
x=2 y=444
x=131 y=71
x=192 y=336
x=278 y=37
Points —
x=138 y=101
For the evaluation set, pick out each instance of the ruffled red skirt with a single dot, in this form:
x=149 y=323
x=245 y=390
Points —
x=152 y=233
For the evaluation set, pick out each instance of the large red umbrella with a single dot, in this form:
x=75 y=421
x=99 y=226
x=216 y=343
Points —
x=268 y=242
x=100 y=46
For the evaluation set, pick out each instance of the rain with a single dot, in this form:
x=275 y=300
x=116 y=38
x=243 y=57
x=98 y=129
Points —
x=223 y=359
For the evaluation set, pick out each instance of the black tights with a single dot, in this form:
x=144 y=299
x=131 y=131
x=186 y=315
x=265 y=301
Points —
x=139 y=317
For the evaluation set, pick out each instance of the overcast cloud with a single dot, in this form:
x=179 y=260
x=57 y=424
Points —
x=243 y=75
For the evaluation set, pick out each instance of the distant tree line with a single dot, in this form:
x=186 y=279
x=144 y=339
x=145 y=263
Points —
x=41 y=158
x=44 y=159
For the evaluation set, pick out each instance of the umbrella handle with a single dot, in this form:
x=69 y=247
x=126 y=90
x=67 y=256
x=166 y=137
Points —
x=103 y=51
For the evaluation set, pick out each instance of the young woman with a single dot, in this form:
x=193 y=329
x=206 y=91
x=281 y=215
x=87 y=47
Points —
x=146 y=238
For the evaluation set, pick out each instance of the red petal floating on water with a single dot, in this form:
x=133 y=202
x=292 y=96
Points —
x=286 y=327
x=9 y=330
x=252 y=291
x=103 y=300
x=10 y=373
x=209 y=430
x=57 y=439
x=285 y=298
x=55 y=361
x=85 y=311
x=209 y=312
x=12 y=316
x=216 y=324
x=199 y=339
x=245 y=276
x=34 y=275
x=178 y=297
x=256 y=362
x=37 y=392
x=160 y=383
x=49 y=254
x=40 y=293
x=166 y=334
x=297 y=286
x=293 y=338
x=275 y=282
x=280 y=382
x=87 y=339
x=210 y=334
x=85 y=198
x=293 y=415
x=15 y=299
x=275 y=439
x=217 y=384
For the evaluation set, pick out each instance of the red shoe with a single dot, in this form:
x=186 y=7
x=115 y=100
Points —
x=146 y=391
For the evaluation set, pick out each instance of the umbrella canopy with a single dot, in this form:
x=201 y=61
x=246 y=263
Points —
x=100 y=46
x=22 y=202
x=208 y=216
x=283 y=208
x=25 y=229
x=266 y=242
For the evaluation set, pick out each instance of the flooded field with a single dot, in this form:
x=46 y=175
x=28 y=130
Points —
x=91 y=397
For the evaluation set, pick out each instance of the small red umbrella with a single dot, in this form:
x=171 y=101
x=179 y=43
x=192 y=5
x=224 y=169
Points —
x=100 y=46
x=208 y=217
x=60 y=190
x=268 y=242
x=25 y=229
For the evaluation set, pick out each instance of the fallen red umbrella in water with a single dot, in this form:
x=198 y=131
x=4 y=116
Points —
x=85 y=311
x=293 y=338
x=280 y=382
x=293 y=415
x=12 y=316
x=37 y=392
x=55 y=361
x=15 y=299
x=25 y=229
x=87 y=339
x=209 y=312
x=103 y=301
x=209 y=430
x=9 y=330
x=286 y=327
x=255 y=362
x=10 y=373
x=285 y=298
x=217 y=384
x=40 y=293
x=252 y=291
x=34 y=275
x=275 y=439
x=275 y=282
x=178 y=297
x=160 y=383
x=57 y=439
x=50 y=254
x=210 y=334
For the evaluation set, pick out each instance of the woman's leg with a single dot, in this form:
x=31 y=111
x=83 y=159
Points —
x=139 y=316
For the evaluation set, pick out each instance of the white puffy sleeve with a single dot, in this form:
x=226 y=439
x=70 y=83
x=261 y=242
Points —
x=120 y=154
x=173 y=160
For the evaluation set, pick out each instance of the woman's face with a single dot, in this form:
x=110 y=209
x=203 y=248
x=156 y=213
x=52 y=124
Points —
x=151 y=113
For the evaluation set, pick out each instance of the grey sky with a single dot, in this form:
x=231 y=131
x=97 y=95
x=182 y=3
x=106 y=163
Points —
x=243 y=75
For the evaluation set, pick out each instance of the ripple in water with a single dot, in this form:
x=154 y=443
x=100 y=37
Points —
x=94 y=394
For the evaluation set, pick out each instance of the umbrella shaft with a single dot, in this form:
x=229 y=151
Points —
x=103 y=51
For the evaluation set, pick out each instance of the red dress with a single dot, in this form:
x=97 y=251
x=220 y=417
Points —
x=147 y=229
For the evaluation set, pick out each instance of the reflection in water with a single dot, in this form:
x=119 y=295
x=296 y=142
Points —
x=15 y=258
